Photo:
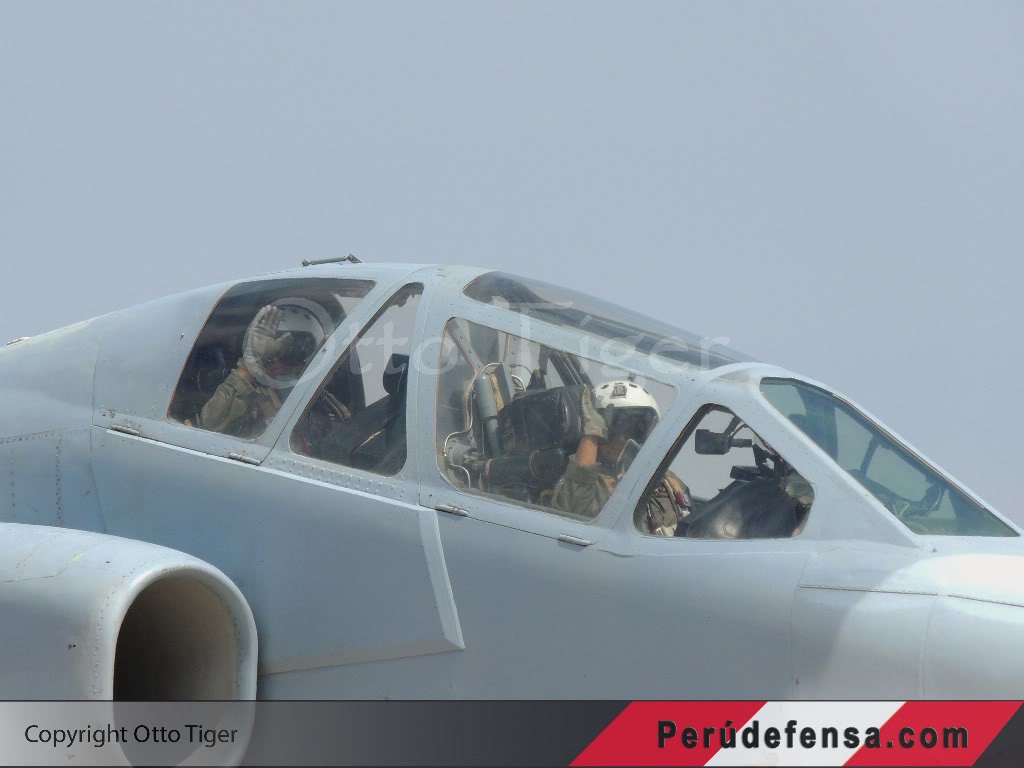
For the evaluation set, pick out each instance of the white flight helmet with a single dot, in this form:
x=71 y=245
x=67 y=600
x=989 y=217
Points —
x=628 y=407
x=298 y=333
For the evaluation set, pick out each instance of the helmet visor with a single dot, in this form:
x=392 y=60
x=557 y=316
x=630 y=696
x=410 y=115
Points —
x=299 y=348
x=633 y=423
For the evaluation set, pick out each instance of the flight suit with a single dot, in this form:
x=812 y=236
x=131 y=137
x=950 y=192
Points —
x=663 y=509
x=585 y=489
x=240 y=408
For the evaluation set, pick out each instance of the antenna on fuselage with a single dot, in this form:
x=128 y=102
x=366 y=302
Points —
x=336 y=260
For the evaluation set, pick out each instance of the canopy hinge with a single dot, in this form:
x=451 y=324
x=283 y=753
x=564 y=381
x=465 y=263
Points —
x=451 y=509
x=244 y=459
x=565 y=538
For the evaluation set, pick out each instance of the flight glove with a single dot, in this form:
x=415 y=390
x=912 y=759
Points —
x=594 y=424
x=263 y=341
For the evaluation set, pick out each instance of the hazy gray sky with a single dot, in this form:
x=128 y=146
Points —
x=835 y=187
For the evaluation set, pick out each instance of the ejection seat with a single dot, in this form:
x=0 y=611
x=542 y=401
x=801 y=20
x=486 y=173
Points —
x=374 y=438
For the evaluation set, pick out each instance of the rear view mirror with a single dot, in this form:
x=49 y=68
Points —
x=708 y=443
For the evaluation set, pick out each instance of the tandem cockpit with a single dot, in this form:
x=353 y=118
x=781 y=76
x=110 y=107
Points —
x=549 y=417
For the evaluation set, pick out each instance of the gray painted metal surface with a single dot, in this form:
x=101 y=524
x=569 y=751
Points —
x=369 y=586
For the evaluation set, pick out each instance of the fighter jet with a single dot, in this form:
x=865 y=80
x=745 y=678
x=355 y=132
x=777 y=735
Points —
x=402 y=481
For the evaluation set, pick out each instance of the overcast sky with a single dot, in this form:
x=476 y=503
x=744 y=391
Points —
x=835 y=187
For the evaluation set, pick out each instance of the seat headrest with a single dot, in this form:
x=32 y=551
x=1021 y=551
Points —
x=396 y=374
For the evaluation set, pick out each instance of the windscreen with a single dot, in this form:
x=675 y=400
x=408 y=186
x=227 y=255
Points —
x=915 y=493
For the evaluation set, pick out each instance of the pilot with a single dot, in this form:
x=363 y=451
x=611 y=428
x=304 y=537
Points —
x=278 y=345
x=617 y=418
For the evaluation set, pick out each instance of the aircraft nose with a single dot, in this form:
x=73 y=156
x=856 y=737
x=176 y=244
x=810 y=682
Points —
x=973 y=650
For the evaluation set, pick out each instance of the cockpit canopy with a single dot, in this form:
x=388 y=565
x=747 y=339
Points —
x=570 y=309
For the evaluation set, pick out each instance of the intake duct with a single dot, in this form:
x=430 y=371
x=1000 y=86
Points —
x=177 y=642
x=91 y=616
